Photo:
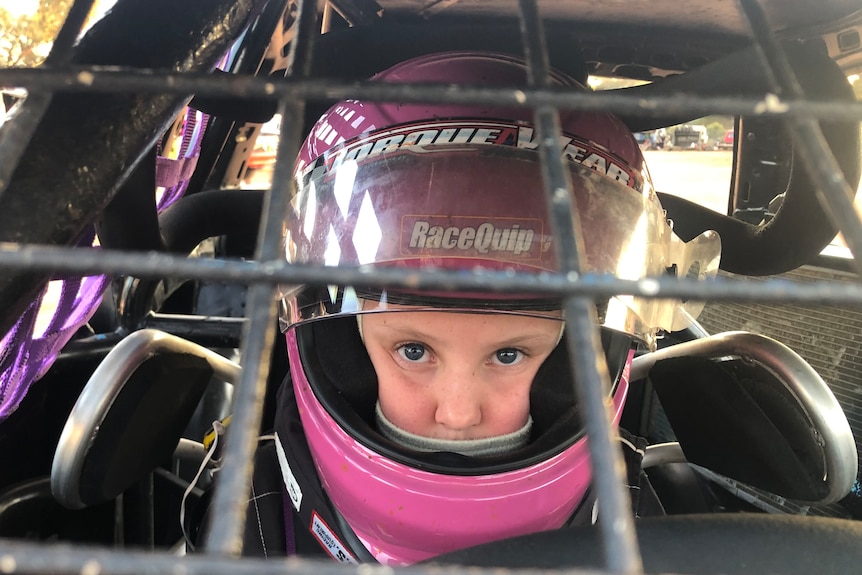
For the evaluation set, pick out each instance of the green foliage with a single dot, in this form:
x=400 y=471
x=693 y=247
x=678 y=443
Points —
x=716 y=130
x=25 y=40
x=726 y=123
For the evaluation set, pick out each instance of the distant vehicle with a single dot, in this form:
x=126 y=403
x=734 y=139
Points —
x=726 y=143
x=645 y=141
x=690 y=136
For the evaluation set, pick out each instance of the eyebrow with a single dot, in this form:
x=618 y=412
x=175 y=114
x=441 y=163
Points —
x=528 y=339
x=411 y=332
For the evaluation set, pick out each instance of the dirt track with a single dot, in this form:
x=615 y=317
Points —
x=703 y=177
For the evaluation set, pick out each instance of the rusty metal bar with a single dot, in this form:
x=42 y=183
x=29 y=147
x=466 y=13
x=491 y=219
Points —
x=231 y=492
x=88 y=262
x=95 y=80
x=592 y=380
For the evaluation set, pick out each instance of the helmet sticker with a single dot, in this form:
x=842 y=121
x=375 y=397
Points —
x=468 y=236
x=329 y=541
x=444 y=135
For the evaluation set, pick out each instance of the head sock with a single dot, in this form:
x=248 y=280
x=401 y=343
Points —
x=485 y=447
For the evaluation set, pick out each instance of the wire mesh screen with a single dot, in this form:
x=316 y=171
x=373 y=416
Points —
x=83 y=75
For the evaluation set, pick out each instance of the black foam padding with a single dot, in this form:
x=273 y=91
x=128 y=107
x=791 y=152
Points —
x=739 y=421
x=680 y=489
x=28 y=510
x=192 y=219
x=801 y=228
x=726 y=544
x=144 y=424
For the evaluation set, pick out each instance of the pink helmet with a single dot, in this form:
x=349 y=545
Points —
x=459 y=188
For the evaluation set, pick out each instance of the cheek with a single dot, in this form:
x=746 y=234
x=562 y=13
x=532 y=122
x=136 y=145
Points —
x=507 y=410
x=405 y=403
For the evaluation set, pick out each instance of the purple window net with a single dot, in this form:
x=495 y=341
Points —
x=29 y=349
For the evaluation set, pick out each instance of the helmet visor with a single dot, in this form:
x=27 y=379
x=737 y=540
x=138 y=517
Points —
x=473 y=206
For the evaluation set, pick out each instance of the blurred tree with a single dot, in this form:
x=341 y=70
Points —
x=716 y=130
x=726 y=122
x=25 y=39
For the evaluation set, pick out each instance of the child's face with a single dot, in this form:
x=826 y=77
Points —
x=457 y=375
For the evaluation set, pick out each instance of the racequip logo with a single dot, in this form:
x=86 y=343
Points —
x=427 y=137
x=471 y=236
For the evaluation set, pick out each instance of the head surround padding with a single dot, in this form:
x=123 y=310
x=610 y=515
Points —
x=343 y=380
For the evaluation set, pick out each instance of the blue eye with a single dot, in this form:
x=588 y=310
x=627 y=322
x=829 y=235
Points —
x=412 y=351
x=508 y=356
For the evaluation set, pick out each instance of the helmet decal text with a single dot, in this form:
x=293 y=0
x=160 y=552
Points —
x=427 y=136
x=583 y=153
x=519 y=239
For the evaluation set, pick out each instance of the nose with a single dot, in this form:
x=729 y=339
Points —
x=459 y=402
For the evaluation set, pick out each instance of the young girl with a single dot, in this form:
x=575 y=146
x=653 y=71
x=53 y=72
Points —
x=457 y=382
x=418 y=421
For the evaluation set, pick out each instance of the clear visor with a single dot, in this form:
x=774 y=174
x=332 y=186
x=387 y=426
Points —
x=481 y=207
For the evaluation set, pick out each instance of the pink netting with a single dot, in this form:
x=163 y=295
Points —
x=29 y=349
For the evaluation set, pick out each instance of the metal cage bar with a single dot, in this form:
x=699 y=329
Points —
x=87 y=262
x=592 y=381
x=260 y=330
x=97 y=79
x=620 y=545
